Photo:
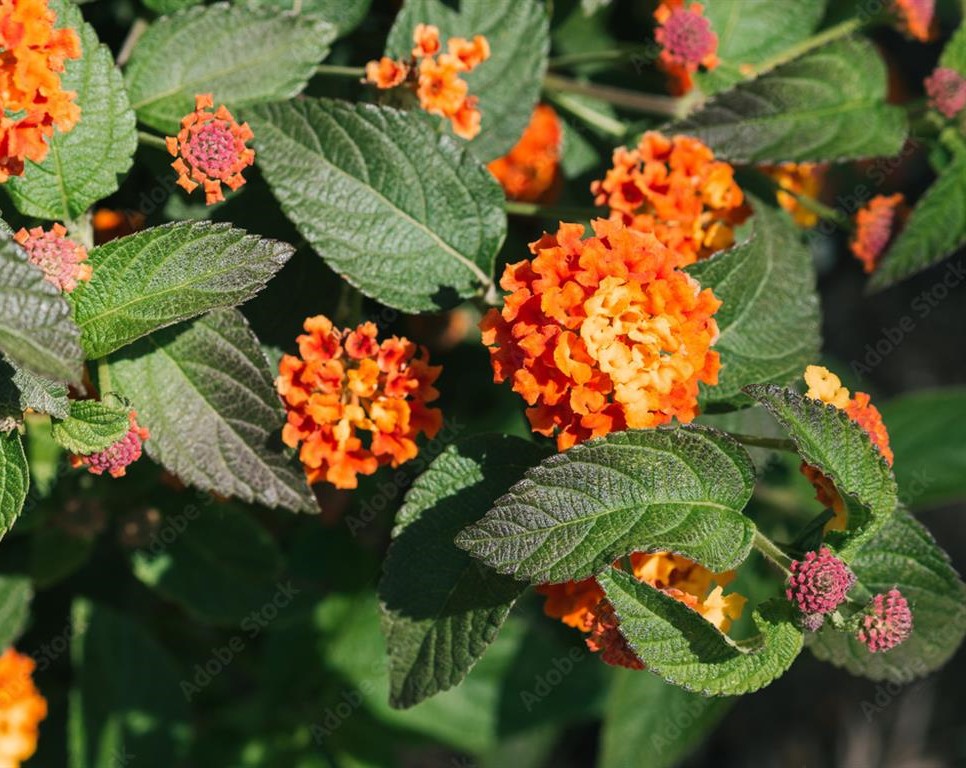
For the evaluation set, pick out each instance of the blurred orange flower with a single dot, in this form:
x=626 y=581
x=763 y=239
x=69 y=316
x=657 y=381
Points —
x=21 y=709
x=799 y=179
x=687 y=43
x=528 y=171
x=875 y=226
x=916 y=18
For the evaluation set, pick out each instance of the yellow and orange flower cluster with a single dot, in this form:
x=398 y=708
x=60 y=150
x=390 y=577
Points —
x=21 y=709
x=582 y=605
x=529 y=171
x=210 y=150
x=674 y=187
x=436 y=77
x=32 y=57
x=798 y=179
x=825 y=386
x=344 y=383
x=876 y=225
x=687 y=43
x=603 y=333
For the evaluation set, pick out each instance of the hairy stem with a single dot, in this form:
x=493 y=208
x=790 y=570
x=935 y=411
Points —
x=604 y=123
x=336 y=71
x=649 y=103
x=103 y=377
x=151 y=140
x=772 y=553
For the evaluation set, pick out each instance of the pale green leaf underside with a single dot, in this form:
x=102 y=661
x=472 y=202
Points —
x=206 y=393
x=685 y=649
x=14 y=480
x=22 y=390
x=167 y=274
x=828 y=105
x=438 y=621
x=679 y=489
x=91 y=426
x=240 y=55
x=15 y=596
x=409 y=217
x=83 y=164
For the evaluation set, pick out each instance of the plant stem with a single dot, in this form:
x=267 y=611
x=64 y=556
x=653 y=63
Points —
x=621 y=97
x=842 y=29
x=138 y=28
x=831 y=214
x=604 y=123
x=775 y=443
x=559 y=213
x=150 y=140
x=595 y=57
x=103 y=377
x=336 y=71
x=771 y=552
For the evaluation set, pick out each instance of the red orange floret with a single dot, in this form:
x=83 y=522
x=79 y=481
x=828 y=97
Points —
x=210 y=150
x=529 y=171
x=602 y=334
x=687 y=42
x=354 y=403
x=915 y=18
x=798 y=179
x=21 y=709
x=674 y=188
x=115 y=459
x=32 y=58
x=946 y=89
x=60 y=258
x=876 y=225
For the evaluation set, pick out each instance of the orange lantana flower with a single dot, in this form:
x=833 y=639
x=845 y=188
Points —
x=21 y=709
x=916 y=18
x=799 y=179
x=602 y=334
x=687 y=43
x=529 y=170
x=345 y=383
x=875 y=226
x=32 y=102
x=60 y=258
x=211 y=150
x=674 y=188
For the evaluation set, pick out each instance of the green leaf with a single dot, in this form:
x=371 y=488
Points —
x=769 y=317
x=439 y=621
x=935 y=229
x=91 y=426
x=222 y=566
x=14 y=480
x=15 y=596
x=40 y=394
x=508 y=83
x=241 y=55
x=126 y=699
x=829 y=440
x=169 y=6
x=55 y=554
x=410 y=218
x=904 y=555
x=344 y=16
x=649 y=722
x=687 y=650
x=83 y=164
x=826 y=106
x=680 y=489
x=206 y=393
x=954 y=54
x=36 y=329
x=167 y=274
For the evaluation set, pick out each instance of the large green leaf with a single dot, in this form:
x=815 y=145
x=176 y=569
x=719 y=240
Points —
x=15 y=596
x=36 y=329
x=167 y=274
x=829 y=440
x=680 y=489
x=344 y=16
x=954 y=54
x=206 y=393
x=408 y=217
x=21 y=390
x=829 y=105
x=687 y=650
x=241 y=55
x=438 y=621
x=91 y=426
x=508 y=83
x=935 y=229
x=769 y=317
x=904 y=555
x=14 y=480
x=83 y=164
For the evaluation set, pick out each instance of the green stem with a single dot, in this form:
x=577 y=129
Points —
x=650 y=103
x=579 y=109
x=775 y=443
x=771 y=552
x=595 y=57
x=554 y=212
x=103 y=377
x=842 y=29
x=150 y=140
x=820 y=209
x=336 y=71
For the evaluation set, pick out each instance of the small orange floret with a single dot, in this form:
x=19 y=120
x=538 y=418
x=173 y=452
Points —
x=426 y=39
x=345 y=383
x=441 y=90
x=676 y=189
x=875 y=227
x=799 y=179
x=469 y=53
x=21 y=709
x=573 y=602
x=687 y=43
x=529 y=170
x=61 y=259
x=211 y=150
x=386 y=73
x=916 y=18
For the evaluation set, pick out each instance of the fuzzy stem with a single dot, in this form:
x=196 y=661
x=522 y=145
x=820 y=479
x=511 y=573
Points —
x=333 y=70
x=604 y=123
x=103 y=377
x=554 y=212
x=595 y=57
x=771 y=552
x=842 y=29
x=650 y=103
x=150 y=140
x=759 y=441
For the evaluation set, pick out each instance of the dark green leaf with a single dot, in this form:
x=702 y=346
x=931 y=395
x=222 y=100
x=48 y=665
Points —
x=55 y=554
x=14 y=480
x=344 y=16
x=954 y=54
x=679 y=489
x=206 y=393
x=91 y=426
x=15 y=596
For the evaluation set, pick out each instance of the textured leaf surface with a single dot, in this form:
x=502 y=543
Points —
x=91 y=426
x=14 y=480
x=687 y=650
x=15 y=596
x=83 y=164
x=36 y=329
x=508 y=83
x=438 y=621
x=408 y=217
x=769 y=317
x=828 y=439
x=827 y=105
x=206 y=393
x=241 y=55
x=904 y=555
x=167 y=274
x=344 y=16
x=935 y=229
x=20 y=389
x=679 y=489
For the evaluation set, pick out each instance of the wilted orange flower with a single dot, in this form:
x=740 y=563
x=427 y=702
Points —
x=32 y=56
x=344 y=383
x=60 y=258
x=602 y=334
x=687 y=42
x=799 y=179
x=210 y=150
x=529 y=170
x=21 y=709
x=875 y=226
x=674 y=188
x=916 y=18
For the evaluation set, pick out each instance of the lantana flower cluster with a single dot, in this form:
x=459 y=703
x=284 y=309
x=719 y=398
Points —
x=876 y=225
x=21 y=709
x=116 y=458
x=946 y=89
x=61 y=259
x=798 y=179
x=344 y=386
x=530 y=170
x=437 y=77
x=687 y=42
x=915 y=18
